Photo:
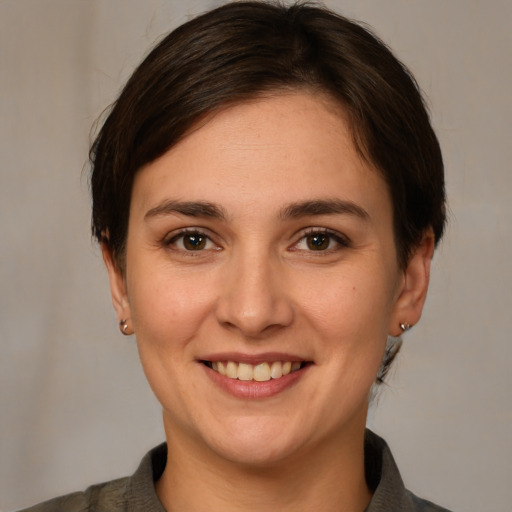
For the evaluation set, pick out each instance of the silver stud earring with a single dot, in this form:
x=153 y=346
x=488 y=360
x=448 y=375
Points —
x=123 y=326
x=405 y=326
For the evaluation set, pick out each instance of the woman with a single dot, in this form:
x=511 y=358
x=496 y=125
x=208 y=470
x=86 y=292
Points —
x=267 y=193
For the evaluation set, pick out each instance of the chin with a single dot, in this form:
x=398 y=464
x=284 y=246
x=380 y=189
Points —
x=256 y=442
x=255 y=455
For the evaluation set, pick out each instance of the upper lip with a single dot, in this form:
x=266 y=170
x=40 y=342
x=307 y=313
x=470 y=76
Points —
x=253 y=359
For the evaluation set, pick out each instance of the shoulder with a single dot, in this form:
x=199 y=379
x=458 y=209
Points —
x=108 y=496
x=421 y=505
x=135 y=493
x=389 y=492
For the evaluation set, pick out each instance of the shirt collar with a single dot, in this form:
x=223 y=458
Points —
x=382 y=475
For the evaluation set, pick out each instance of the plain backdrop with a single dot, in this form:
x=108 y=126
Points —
x=74 y=405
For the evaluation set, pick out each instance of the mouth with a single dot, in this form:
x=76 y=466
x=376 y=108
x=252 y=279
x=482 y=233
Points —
x=261 y=372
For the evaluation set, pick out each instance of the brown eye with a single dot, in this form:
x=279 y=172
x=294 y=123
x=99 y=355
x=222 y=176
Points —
x=318 y=241
x=321 y=240
x=191 y=241
x=194 y=241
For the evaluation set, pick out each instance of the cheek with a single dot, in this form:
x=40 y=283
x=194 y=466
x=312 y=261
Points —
x=351 y=315
x=168 y=311
x=350 y=300
x=167 y=308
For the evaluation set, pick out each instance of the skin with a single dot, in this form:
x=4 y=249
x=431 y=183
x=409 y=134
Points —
x=258 y=287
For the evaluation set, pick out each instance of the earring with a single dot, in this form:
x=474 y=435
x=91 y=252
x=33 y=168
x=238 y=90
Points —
x=123 y=326
x=405 y=326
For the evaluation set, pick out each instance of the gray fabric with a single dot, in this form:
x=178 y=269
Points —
x=131 y=494
x=137 y=493
x=390 y=494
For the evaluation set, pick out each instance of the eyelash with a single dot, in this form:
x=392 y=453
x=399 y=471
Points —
x=340 y=240
x=172 y=241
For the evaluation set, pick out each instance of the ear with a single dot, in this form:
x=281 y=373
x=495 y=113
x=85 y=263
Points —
x=414 y=286
x=117 y=290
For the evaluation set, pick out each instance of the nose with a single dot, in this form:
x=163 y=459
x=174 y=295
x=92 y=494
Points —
x=254 y=298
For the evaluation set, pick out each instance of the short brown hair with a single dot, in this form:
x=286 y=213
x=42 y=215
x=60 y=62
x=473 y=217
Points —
x=245 y=49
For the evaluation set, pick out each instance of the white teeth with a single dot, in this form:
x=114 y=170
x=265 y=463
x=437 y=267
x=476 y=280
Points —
x=276 y=370
x=245 y=371
x=231 y=370
x=261 y=372
x=221 y=368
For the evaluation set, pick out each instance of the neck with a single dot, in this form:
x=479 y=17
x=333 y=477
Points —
x=329 y=478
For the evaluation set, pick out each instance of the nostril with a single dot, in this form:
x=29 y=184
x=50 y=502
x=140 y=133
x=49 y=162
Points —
x=253 y=302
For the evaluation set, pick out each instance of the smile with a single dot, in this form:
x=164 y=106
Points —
x=260 y=372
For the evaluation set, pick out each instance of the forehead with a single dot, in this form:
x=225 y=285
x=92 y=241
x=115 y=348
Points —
x=282 y=148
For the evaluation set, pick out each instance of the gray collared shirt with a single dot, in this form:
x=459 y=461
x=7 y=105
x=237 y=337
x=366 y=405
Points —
x=137 y=492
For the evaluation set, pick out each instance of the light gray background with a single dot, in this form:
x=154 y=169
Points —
x=74 y=405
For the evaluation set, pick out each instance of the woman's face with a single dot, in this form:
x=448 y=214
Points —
x=259 y=244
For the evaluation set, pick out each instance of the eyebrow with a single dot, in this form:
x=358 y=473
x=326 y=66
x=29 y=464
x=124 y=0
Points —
x=295 y=210
x=323 y=207
x=190 y=208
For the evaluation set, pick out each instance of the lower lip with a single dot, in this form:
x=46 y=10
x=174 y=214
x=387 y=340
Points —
x=251 y=389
